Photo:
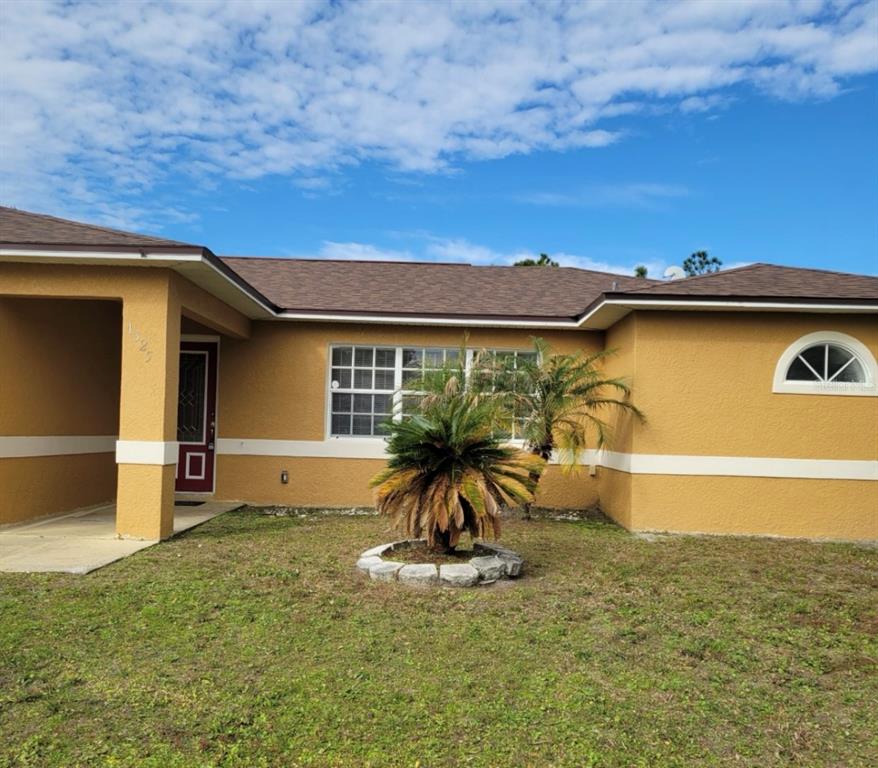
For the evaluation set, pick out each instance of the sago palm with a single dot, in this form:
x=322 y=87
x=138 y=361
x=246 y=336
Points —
x=448 y=472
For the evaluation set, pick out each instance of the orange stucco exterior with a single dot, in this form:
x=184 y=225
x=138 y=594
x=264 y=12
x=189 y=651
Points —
x=274 y=386
x=94 y=350
x=59 y=375
x=705 y=382
x=146 y=344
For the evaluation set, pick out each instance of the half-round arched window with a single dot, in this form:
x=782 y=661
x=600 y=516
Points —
x=826 y=363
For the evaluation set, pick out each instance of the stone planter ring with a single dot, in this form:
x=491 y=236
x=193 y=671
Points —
x=491 y=563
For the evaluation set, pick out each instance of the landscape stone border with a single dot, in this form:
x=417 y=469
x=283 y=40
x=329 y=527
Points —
x=491 y=563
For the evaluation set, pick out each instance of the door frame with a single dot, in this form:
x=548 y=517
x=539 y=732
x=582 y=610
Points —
x=210 y=339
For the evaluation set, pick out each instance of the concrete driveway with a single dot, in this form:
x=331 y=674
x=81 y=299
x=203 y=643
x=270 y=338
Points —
x=82 y=541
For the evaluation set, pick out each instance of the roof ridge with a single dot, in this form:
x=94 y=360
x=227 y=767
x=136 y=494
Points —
x=745 y=267
x=818 y=269
x=317 y=259
x=690 y=278
x=111 y=230
x=310 y=259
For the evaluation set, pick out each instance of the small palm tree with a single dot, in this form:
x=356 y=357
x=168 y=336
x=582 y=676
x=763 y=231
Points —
x=448 y=472
x=560 y=400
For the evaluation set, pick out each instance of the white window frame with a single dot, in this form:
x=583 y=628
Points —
x=394 y=393
x=856 y=348
x=397 y=381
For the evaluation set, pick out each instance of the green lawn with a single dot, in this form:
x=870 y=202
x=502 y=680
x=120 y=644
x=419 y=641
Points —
x=252 y=641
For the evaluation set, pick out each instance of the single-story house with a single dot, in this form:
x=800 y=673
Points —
x=134 y=367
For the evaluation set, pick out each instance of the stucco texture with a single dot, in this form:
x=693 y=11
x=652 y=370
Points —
x=705 y=381
x=274 y=386
x=820 y=509
x=59 y=376
x=144 y=352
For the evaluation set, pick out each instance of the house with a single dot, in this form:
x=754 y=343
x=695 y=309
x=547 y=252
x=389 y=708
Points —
x=132 y=367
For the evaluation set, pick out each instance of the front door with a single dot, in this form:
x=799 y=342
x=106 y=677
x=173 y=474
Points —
x=196 y=416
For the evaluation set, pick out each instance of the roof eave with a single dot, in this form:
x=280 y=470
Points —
x=197 y=264
x=609 y=308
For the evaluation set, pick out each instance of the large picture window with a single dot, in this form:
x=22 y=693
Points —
x=368 y=385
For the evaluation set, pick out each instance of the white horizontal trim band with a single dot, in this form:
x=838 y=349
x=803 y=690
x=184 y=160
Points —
x=360 y=448
x=636 y=463
x=739 y=466
x=55 y=445
x=155 y=452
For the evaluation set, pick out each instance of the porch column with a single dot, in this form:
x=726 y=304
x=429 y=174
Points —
x=146 y=453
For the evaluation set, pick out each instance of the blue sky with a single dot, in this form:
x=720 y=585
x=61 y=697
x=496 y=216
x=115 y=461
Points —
x=605 y=134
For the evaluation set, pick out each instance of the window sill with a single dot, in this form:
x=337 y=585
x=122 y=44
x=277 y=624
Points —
x=852 y=390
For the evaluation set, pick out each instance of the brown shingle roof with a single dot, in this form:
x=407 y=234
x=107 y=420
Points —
x=423 y=288
x=768 y=281
x=25 y=228
x=445 y=290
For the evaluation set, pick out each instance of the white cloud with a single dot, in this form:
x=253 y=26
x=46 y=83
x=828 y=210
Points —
x=428 y=247
x=630 y=195
x=103 y=102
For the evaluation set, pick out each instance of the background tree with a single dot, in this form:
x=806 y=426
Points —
x=640 y=270
x=700 y=263
x=449 y=471
x=543 y=261
x=561 y=401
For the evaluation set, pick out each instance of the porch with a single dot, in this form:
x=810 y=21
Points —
x=93 y=417
x=85 y=540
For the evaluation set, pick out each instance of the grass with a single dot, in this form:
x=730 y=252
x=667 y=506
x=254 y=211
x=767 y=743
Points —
x=251 y=641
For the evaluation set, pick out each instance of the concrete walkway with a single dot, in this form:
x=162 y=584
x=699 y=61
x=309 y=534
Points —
x=82 y=541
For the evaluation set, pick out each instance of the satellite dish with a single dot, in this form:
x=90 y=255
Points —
x=674 y=273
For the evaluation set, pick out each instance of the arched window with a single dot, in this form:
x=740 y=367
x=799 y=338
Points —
x=826 y=363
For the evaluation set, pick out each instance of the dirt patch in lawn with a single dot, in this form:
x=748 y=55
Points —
x=421 y=553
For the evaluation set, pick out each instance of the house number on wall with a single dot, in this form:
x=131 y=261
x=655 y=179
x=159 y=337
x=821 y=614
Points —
x=141 y=341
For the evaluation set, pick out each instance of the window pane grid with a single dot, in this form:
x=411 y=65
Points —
x=367 y=385
x=362 y=385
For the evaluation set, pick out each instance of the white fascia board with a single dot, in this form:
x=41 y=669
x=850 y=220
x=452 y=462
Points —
x=189 y=265
x=145 y=255
x=441 y=321
x=621 y=307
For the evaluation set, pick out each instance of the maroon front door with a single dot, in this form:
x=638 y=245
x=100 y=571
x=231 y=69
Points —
x=196 y=416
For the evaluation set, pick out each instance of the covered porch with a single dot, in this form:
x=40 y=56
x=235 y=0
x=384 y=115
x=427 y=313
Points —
x=83 y=541
x=89 y=435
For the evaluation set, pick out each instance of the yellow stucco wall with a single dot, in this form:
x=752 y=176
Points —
x=705 y=380
x=59 y=376
x=827 y=509
x=705 y=383
x=153 y=301
x=37 y=486
x=274 y=386
x=59 y=367
x=614 y=488
x=614 y=495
